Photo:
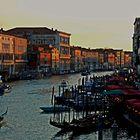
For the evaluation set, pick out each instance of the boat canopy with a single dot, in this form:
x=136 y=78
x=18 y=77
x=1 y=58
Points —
x=113 y=92
x=125 y=92
x=131 y=102
x=131 y=92
x=64 y=84
x=116 y=79
x=137 y=106
x=114 y=87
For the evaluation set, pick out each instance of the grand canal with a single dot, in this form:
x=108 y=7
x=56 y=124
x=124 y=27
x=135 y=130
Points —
x=24 y=120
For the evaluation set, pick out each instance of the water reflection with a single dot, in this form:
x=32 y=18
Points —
x=24 y=120
x=61 y=135
x=107 y=135
x=75 y=136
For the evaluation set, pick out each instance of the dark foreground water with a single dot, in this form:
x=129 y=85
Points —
x=24 y=120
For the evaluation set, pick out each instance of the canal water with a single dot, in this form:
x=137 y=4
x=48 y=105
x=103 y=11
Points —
x=24 y=120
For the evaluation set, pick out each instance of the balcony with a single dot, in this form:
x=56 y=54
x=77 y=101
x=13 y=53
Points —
x=63 y=56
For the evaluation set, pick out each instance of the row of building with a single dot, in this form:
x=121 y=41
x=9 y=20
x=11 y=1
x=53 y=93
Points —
x=48 y=50
x=136 y=45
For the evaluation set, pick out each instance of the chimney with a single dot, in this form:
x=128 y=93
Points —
x=1 y=30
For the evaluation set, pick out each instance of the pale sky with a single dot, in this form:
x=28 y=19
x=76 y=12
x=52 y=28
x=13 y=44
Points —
x=92 y=23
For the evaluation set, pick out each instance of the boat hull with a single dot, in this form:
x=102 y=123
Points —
x=55 y=109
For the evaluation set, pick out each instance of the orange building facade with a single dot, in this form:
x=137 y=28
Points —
x=127 y=59
x=6 y=53
x=119 y=59
x=55 y=60
x=20 y=54
x=64 y=48
x=76 y=59
x=13 y=54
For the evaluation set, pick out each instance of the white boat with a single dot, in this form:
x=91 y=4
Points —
x=64 y=84
x=54 y=109
x=7 y=88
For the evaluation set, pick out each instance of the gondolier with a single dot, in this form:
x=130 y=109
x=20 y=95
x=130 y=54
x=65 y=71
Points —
x=1 y=79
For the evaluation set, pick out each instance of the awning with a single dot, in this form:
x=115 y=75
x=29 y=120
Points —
x=131 y=92
x=113 y=92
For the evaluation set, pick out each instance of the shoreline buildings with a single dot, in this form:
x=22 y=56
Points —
x=49 y=51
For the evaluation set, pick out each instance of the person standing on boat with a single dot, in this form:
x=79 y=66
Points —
x=136 y=137
x=1 y=79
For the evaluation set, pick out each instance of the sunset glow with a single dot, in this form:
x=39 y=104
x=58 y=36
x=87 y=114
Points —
x=92 y=23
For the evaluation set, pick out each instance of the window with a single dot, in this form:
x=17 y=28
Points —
x=5 y=47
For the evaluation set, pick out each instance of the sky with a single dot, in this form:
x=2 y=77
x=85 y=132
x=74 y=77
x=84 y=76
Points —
x=92 y=23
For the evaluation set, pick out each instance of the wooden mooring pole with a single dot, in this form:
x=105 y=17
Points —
x=114 y=130
x=100 y=127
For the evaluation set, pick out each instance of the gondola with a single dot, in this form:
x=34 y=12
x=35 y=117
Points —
x=83 y=124
x=7 y=88
x=4 y=88
x=1 y=91
x=2 y=118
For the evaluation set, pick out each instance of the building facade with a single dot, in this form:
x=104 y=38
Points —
x=136 y=45
x=20 y=54
x=76 y=59
x=6 y=53
x=13 y=54
x=94 y=59
x=128 y=59
x=42 y=36
x=119 y=59
x=63 y=45
x=55 y=61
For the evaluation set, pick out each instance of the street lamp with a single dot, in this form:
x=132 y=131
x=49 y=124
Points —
x=50 y=51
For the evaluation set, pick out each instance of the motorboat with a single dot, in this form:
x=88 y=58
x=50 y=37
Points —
x=85 y=73
x=7 y=88
x=55 y=108
x=64 y=84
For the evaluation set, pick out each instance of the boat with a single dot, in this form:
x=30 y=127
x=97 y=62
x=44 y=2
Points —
x=137 y=84
x=85 y=73
x=55 y=109
x=115 y=87
x=131 y=113
x=88 y=123
x=65 y=95
x=2 y=122
x=61 y=125
x=88 y=85
x=4 y=88
x=7 y=88
x=64 y=84
x=122 y=94
x=1 y=118
x=1 y=91
x=79 y=125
